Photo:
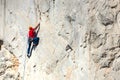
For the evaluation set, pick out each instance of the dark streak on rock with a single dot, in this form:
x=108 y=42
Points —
x=68 y=47
x=13 y=39
x=53 y=1
x=1 y=43
x=57 y=61
x=113 y=48
x=70 y=19
x=34 y=66
x=4 y=13
x=106 y=21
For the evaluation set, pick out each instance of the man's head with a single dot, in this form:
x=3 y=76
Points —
x=30 y=28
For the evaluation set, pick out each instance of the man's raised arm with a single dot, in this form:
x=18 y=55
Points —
x=37 y=26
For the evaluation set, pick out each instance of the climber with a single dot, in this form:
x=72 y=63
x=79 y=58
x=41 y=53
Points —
x=31 y=35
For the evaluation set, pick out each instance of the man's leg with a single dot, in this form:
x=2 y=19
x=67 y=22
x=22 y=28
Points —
x=33 y=46
x=29 y=46
x=35 y=42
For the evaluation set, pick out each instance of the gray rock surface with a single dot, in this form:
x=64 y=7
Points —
x=79 y=40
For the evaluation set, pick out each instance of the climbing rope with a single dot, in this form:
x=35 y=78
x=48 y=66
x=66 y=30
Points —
x=24 y=38
x=24 y=64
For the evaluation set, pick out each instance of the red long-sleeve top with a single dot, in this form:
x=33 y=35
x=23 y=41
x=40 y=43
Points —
x=31 y=33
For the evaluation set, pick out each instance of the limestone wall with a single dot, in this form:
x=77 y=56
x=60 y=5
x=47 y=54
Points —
x=79 y=39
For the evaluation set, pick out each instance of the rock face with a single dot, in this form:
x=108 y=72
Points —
x=79 y=40
x=8 y=66
x=104 y=39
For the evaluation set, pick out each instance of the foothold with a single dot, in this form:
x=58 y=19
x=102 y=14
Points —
x=13 y=39
x=81 y=45
x=73 y=61
x=69 y=18
x=67 y=33
x=54 y=1
x=57 y=61
x=106 y=19
x=85 y=46
x=81 y=69
x=34 y=66
x=10 y=12
x=68 y=47
x=113 y=3
x=11 y=52
x=20 y=56
x=68 y=56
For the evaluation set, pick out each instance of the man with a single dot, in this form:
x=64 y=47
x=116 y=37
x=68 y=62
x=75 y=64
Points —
x=31 y=35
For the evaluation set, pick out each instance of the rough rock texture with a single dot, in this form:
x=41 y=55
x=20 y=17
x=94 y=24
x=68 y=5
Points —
x=8 y=66
x=104 y=39
x=79 y=39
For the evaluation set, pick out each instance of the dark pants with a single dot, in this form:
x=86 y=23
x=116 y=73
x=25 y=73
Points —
x=35 y=42
x=29 y=45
